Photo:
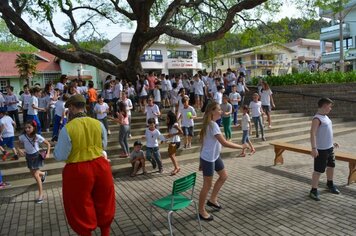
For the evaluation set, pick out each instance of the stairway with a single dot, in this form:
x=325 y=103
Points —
x=286 y=126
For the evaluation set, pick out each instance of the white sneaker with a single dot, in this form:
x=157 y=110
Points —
x=109 y=132
x=130 y=135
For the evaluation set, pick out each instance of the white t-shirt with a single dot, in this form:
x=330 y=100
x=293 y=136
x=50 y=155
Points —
x=152 y=137
x=173 y=130
x=101 y=108
x=59 y=108
x=8 y=130
x=25 y=98
x=199 y=87
x=150 y=112
x=255 y=108
x=266 y=97
x=33 y=102
x=144 y=89
x=187 y=122
x=231 y=78
x=156 y=95
x=324 y=134
x=60 y=86
x=128 y=104
x=164 y=85
x=234 y=97
x=245 y=119
x=117 y=90
x=31 y=146
x=43 y=102
x=211 y=146
x=218 y=97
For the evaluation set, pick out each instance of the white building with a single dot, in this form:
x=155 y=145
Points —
x=307 y=54
x=162 y=57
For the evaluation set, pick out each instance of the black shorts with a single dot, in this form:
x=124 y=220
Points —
x=325 y=159
x=266 y=108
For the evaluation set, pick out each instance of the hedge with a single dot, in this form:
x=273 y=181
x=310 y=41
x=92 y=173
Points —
x=309 y=78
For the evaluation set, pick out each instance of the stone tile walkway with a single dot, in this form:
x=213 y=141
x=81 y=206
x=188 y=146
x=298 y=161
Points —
x=258 y=199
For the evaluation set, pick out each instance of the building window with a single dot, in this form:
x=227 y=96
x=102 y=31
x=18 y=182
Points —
x=232 y=61
x=222 y=62
x=179 y=54
x=152 y=52
x=347 y=43
x=3 y=84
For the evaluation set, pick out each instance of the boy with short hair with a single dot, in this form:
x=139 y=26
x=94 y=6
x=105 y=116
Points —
x=321 y=139
x=137 y=158
x=25 y=99
x=7 y=135
x=187 y=115
x=11 y=101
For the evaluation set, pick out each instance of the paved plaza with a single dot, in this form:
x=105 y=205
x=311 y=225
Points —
x=258 y=199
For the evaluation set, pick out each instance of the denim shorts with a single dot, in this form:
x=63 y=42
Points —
x=208 y=167
x=188 y=131
x=245 y=136
x=34 y=161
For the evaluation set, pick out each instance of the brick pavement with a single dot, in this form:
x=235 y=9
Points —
x=258 y=199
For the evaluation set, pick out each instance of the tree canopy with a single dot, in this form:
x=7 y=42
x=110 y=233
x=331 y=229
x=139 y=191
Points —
x=195 y=21
x=284 y=31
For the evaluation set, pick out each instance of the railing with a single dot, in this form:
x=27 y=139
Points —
x=345 y=26
x=263 y=63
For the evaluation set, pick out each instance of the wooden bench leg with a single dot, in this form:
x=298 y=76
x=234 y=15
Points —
x=352 y=175
x=278 y=160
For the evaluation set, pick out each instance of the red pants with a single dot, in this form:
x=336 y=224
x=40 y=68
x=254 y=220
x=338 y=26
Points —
x=89 y=196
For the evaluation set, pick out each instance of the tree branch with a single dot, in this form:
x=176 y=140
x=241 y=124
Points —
x=198 y=39
x=129 y=15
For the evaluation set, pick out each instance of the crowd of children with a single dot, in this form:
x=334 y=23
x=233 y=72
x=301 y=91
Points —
x=43 y=108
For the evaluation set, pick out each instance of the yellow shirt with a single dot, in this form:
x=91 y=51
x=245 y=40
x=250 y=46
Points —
x=85 y=135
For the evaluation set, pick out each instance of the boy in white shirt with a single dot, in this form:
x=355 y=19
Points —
x=33 y=108
x=199 y=87
x=235 y=98
x=152 y=111
x=7 y=135
x=59 y=110
x=256 y=113
x=187 y=115
x=25 y=99
x=157 y=95
x=152 y=135
x=101 y=110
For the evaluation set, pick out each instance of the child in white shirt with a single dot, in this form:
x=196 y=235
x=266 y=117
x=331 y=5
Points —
x=256 y=112
x=246 y=131
x=7 y=135
x=235 y=98
x=101 y=110
x=59 y=110
x=187 y=115
x=152 y=135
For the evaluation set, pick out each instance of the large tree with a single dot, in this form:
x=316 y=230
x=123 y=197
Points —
x=195 y=21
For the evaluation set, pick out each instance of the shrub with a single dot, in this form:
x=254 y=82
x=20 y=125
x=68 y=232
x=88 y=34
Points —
x=309 y=78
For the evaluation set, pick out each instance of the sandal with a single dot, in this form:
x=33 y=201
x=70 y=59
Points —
x=241 y=155
x=252 y=152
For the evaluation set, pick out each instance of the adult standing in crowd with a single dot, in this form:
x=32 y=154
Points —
x=231 y=80
x=88 y=188
x=62 y=82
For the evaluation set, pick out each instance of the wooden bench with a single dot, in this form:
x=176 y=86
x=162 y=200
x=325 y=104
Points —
x=280 y=147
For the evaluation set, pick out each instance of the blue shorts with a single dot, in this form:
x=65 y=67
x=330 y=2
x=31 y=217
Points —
x=9 y=142
x=208 y=167
x=188 y=131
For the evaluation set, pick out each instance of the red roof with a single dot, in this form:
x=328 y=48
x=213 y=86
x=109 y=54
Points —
x=46 y=63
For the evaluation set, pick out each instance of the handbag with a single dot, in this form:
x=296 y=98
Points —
x=42 y=153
